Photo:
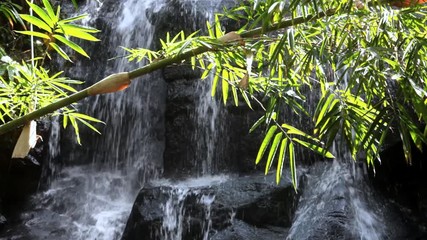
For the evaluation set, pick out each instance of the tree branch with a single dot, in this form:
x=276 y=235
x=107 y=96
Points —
x=113 y=79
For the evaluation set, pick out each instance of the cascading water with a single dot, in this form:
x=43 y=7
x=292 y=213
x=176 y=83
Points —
x=208 y=115
x=93 y=193
x=337 y=203
x=174 y=215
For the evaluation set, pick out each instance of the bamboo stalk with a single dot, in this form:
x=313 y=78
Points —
x=108 y=82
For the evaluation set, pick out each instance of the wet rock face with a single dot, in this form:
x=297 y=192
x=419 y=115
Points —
x=406 y=187
x=235 y=147
x=187 y=140
x=20 y=177
x=187 y=16
x=233 y=208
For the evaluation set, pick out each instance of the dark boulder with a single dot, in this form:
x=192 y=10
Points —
x=20 y=177
x=240 y=230
x=405 y=185
x=182 y=211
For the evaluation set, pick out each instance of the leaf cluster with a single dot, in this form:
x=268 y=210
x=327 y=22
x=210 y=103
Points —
x=363 y=63
x=26 y=87
x=54 y=30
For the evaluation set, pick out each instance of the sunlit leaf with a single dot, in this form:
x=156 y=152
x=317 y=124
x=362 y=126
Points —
x=35 y=34
x=273 y=151
x=265 y=143
x=36 y=22
x=71 y=44
x=281 y=159
x=60 y=51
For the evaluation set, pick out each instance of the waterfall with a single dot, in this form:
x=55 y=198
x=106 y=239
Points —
x=209 y=133
x=338 y=203
x=92 y=195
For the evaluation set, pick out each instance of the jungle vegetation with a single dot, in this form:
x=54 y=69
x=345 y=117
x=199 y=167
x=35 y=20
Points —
x=364 y=61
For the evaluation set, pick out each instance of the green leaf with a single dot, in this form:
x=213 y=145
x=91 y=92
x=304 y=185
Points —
x=292 y=165
x=36 y=22
x=86 y=117
x=246 y=98
x=71 y=44
x=76 y=128
x=235 y=96
x=218 y=31
x=265 y=143
x=60 y=51
x=257 y=123
x=42 y=14
x=73 y=31
x=75 y=4
x=35 y=34
x=273 y=151
x=64 y=121
x=214 y=84
x=281 y=159
x=225 y=91
x=50 y=11
x=314 y=148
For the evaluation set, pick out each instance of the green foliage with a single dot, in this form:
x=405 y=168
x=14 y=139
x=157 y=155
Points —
x=54 y=30
x=10 y=11
x=25 y=88
x=365 y=61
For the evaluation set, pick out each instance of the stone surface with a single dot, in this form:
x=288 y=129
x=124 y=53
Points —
x=20 y=177
x=405 y=185
x=247 y=203
x=239 y=230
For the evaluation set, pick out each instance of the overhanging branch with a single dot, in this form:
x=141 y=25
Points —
x=114 y=83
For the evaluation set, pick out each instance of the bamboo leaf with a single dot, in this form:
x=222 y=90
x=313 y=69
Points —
x=214 y=84
x=76 y=128
x=36 y=22
x=314 y=148
x=235 y=96
x=42 y=14
x=281 y=159
x=71 y=44
x=273 y=151
x=257 y=123
x=50 y=11
x=73 y=31
x=225 y=78
x=265 y=143
x=292 y=165
x=35 y=34
x=86 y=117
x=64 y=86
x=88 y=125
x=60 y=51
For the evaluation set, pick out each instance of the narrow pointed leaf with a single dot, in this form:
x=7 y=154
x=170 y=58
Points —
x=273 y=151
x=60 y=51
x=265 y=143
x=281 y=159
x=292 y=165
x=314 y=148
x=42 y=14
x=36 y=22
x=71 y=44
x=257 y=123
x=75 y=32
x=50 y=10
x=35 y=34
x=214 y=84
x=225 y=77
